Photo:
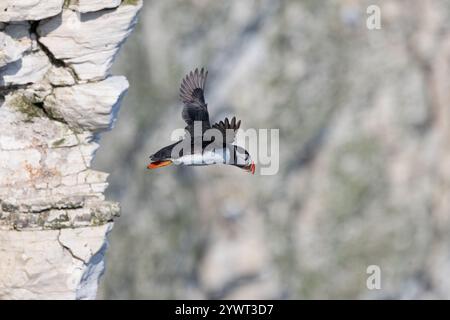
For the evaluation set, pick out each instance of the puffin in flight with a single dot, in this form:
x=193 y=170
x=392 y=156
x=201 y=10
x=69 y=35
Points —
x=203 y=144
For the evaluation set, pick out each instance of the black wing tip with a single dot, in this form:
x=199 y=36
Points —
x=193 y=86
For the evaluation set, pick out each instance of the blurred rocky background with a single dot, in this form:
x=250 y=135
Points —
x=364 y=173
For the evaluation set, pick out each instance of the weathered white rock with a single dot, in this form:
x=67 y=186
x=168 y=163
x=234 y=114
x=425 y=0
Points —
x=44 y=171
x=30 y=69
x=60 y=76
x=84 y=6
x=88 y=42
x=14 y=41
x=49 y=118
x=75 y=104
x=14 y=10
x=52 y=264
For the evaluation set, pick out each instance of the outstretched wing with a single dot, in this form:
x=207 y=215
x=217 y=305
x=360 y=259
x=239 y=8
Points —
x=192 y=94
x=228 y=129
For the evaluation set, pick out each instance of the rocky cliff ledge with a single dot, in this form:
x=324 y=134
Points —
x=56 y=96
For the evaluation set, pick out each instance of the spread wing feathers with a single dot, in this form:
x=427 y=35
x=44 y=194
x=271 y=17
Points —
x=228 y=129
x=193 y=87
x=195 y=108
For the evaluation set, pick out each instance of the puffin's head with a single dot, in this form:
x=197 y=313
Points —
x=243 y=160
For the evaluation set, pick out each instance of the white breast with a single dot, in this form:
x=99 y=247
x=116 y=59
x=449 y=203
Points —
x=206 y=158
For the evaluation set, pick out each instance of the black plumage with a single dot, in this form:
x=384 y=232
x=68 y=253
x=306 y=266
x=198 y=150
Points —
x=192 y=95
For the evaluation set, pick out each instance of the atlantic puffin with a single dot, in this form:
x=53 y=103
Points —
x=199 y=147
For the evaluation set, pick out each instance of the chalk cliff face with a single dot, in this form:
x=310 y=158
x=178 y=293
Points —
x=56 y=96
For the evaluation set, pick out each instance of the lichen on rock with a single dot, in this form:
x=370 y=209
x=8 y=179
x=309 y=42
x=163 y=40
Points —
x=23 y=105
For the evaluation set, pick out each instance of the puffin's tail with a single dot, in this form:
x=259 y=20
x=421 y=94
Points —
x=158 y=164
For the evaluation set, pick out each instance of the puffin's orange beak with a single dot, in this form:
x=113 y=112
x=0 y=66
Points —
x=158 y=164
x=251 y=168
